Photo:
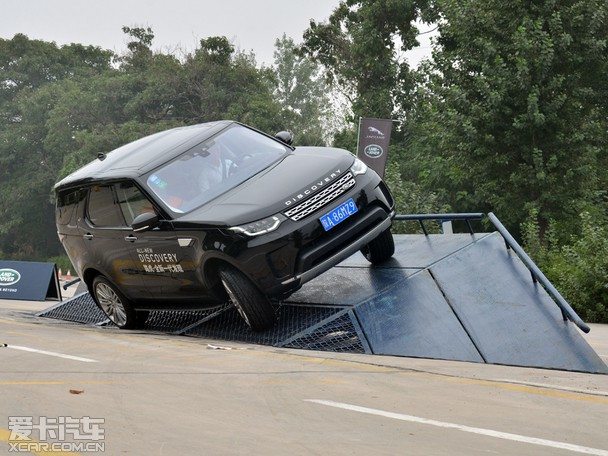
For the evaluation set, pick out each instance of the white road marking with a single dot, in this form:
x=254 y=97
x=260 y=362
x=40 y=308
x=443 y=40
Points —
x=49 y=353
x=460 y=427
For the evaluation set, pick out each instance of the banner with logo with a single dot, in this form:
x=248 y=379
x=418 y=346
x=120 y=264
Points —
x=374 y=138
x=28 y=281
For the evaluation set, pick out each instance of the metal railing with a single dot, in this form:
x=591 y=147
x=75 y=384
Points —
x=568 y=312
x=71 y=282
x=537 y=275
x=444 y=219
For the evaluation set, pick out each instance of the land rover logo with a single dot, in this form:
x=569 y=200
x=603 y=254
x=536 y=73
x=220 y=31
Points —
x=9 y=277
x=373 y=151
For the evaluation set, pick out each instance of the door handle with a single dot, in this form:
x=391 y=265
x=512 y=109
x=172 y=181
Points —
x=130 y=238
x=88 y=236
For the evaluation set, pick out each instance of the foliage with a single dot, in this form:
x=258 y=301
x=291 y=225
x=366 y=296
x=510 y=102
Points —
x=63 y=263
x=508 y=116
x=579 y=269
x=511 y=112
x=361 y=47
x=302 y=94
x=411 y=197
x=30 y=75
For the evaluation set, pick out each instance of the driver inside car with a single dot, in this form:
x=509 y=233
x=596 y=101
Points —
x=215 y=170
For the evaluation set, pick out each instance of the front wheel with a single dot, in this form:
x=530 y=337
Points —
x=252 y=304
x=380 y=249
x=114 y=304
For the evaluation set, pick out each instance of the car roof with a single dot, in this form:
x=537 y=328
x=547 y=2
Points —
x=143 y=155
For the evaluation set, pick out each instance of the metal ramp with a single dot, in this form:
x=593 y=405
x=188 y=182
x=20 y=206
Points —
x=460 y=297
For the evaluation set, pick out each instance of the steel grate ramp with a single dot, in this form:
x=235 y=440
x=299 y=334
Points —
x=299 y=325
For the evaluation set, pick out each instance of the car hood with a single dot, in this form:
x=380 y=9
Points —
x=303 y=172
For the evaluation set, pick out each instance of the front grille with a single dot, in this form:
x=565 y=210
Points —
x=318 y=200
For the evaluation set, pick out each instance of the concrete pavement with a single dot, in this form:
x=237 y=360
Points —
x=165 y=395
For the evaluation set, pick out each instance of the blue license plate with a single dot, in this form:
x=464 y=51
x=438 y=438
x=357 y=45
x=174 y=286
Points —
x=339 y=214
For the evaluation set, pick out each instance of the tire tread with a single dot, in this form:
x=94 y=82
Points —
x=381 y=248
x=252 y=301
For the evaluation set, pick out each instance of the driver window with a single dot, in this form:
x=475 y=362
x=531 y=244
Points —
x=132 y=201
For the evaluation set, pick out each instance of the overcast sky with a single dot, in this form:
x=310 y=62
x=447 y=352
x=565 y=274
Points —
x=249 y=24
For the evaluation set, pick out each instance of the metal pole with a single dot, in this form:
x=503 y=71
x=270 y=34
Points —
x=71 y=282
x=536 y=272
x=358 y=134
x=440 y=217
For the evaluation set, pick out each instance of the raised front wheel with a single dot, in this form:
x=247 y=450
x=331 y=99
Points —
x=251 y=303
x=380 y=249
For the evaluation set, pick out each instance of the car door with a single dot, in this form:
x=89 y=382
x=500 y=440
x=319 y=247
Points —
x=105 y=234
x=165 y=267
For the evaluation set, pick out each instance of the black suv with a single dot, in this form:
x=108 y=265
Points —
x=193 y=216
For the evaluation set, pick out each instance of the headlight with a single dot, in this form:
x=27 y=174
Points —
x=261 y=226
x=358 y=167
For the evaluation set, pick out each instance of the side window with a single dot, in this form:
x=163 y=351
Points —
x=103 y=210
x=67 y=201
x=132 y=201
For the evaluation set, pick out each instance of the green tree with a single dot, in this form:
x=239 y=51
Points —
x=361 y=47
x=302 y=94
x=60 y=106
x=140 y=48
x=578 y=267
x=31 y=73
x=512 y=110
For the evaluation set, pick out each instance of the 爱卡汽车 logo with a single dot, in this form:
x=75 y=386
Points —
x=9 y=276
x=373 y=151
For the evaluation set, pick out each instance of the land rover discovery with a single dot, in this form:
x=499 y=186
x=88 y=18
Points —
x=195 y=216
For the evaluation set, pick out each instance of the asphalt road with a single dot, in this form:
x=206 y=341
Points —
x=165 y=395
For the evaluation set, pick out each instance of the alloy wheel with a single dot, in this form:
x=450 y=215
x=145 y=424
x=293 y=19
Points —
x=111 y=304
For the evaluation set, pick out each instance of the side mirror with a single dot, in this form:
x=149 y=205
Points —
x=145 y=222
x=285 y=136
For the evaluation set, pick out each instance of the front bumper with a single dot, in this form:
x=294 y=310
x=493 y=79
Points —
x=280 y=262
x=345 y=251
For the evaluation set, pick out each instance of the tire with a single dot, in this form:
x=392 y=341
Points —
x=380 y=249
x=253 y=305
x=114 y=304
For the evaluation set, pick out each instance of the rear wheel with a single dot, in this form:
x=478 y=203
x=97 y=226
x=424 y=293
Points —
x=380 y=249
x=252 y=304
x=114 y=304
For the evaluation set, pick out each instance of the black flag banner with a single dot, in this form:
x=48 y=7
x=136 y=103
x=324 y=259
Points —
x=374 y=138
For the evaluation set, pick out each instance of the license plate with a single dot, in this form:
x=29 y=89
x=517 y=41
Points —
x=339 y=214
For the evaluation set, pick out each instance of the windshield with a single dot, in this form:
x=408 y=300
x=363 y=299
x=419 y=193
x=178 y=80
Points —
x=213 y=167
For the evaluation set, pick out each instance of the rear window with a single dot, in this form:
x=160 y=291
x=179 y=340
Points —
x=67 y=201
